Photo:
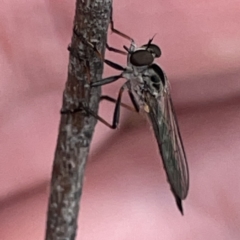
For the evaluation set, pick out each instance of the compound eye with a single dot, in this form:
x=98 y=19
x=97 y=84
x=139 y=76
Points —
x=141 y=58
x=153 y=49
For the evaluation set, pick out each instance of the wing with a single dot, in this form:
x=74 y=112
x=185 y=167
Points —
x=166 y=130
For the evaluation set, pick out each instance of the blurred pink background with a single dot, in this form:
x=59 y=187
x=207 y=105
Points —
x=126 y=195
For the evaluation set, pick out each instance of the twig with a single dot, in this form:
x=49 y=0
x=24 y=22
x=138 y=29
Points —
x=76 y=130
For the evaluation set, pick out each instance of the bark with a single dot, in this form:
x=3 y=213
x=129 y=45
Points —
x=76 y=129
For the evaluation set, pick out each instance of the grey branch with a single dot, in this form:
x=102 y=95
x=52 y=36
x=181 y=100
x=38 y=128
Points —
x=76 y=129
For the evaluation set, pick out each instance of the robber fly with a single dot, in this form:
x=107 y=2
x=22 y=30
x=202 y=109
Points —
x=148 y=88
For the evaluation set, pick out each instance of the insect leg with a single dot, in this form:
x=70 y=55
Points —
x=88 y=111
x=104 y=97
x=114 y=65
x=113 y=100
x=115 y=30
x=112 y=49
x=116 y=114
x=93 y=45
x=108 y=62
x=106 y=81
x=134 y=101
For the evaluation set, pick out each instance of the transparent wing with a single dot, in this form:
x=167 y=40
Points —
x=166 y=130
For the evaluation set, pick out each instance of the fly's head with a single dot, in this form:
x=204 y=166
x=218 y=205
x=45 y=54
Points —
x=145 y=55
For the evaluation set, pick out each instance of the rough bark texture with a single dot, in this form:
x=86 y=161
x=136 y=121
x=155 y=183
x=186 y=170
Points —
x=76 y=130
